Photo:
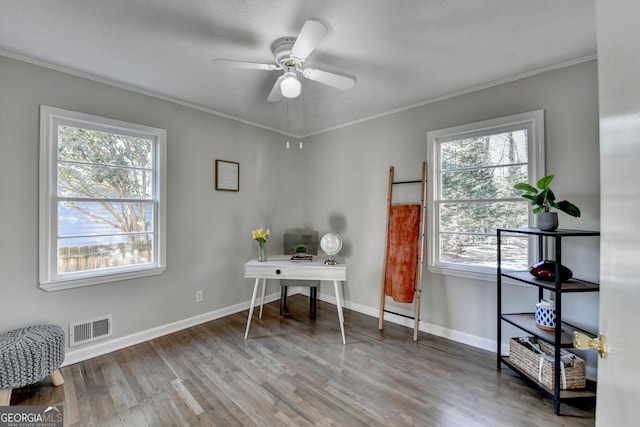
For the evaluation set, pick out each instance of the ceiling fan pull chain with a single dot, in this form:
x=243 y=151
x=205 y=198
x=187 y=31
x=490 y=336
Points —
x=287 y=145
x=300 y=121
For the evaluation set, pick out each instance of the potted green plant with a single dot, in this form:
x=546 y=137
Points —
x=542 y=200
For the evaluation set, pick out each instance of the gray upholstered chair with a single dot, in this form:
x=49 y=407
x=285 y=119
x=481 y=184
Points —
x=28 y=355
x=300 y=241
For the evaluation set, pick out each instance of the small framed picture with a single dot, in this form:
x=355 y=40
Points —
x=227 y=175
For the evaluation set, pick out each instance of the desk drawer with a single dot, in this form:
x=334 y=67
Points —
x=296 y=271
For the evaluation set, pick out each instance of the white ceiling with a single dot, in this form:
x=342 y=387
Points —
x=402 y=52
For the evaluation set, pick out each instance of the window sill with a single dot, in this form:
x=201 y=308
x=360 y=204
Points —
x=466 y=273
x=475 y=275
x=60 y=285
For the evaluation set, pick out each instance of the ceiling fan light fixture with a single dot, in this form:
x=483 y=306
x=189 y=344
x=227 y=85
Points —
x=290 y=85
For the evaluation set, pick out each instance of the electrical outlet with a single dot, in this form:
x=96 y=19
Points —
x=199 y=296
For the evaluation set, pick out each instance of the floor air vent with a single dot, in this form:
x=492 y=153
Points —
x=89 y=330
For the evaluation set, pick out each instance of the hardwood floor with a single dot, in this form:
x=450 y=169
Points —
x=296 y=372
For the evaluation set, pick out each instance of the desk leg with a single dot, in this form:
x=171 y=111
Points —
x=253 y=301
x=340 y=315
x=264 y=288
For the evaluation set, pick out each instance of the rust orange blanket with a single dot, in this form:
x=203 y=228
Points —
x=402 y=252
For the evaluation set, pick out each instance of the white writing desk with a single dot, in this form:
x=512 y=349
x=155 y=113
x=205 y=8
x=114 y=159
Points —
x=281 y=267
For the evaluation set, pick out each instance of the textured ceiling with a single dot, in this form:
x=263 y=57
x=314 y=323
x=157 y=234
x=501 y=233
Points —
x=401 y=53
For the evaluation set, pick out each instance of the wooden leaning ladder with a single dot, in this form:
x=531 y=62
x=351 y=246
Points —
x=419 y=260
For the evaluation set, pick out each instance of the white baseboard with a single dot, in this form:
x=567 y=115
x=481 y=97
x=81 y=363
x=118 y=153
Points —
x=90 y=351
x=591 y=372
x=99 y=349
x=423 y=326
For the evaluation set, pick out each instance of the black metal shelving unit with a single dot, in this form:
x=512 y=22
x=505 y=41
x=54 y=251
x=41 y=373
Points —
x=562 y=336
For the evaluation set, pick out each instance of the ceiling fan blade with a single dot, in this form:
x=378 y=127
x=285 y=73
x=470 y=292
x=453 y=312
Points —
x=275 y=95
x=310 y=36
x=246 y=64
x=329 y=79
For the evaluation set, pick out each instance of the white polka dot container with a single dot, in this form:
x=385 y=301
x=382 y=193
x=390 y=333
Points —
x=546 y=315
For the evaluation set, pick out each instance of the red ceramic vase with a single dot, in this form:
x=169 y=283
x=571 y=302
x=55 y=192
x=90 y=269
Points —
x=546 y=270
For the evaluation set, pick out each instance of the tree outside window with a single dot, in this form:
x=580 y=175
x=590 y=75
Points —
x=102 y=199
x=474 y=169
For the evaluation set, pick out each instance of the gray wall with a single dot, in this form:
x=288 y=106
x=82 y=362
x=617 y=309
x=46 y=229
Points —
x=344 y=190
x=351 y=168
x=209 y=232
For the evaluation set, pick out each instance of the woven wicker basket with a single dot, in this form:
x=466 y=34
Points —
x=541 y=365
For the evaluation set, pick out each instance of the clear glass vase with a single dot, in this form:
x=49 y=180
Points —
x=262 y=251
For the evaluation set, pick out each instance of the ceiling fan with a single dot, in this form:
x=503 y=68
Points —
x=289 y=54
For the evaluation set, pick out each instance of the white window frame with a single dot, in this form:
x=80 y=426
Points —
x=533 y=121
x=49 y=279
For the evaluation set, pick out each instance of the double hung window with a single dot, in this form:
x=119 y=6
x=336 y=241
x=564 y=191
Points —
x=473 y=170
x=102 y=199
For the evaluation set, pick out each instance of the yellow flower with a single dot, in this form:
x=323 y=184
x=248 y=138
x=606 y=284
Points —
x=260 y=235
